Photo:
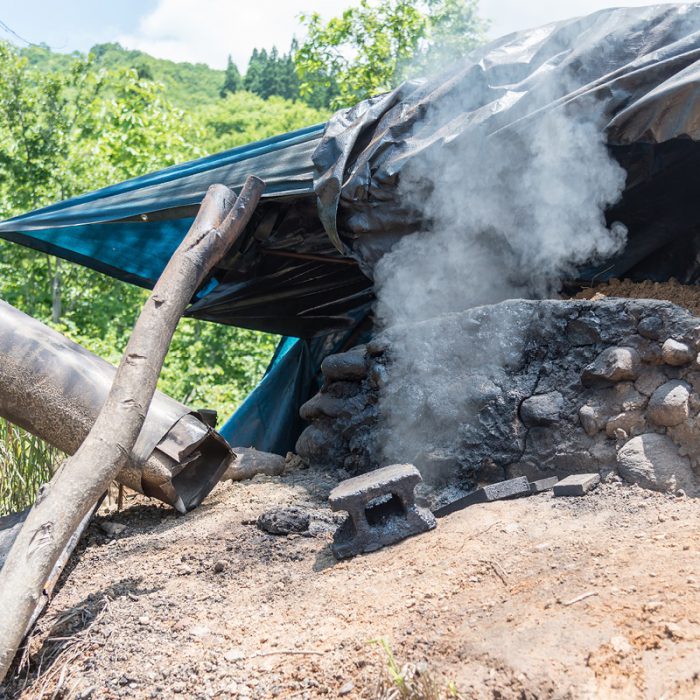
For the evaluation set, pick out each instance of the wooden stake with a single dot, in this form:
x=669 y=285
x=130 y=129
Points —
x=85 y=476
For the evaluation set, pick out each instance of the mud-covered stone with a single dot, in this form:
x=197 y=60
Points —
x=349 y=365
x=543 y=409
x=632 y=422
x=668 y=405
x=651 y=327
x=591 y=419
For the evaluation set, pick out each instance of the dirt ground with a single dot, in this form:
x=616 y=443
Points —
x=593 y=597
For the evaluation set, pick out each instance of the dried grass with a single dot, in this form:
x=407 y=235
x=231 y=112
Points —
x=54 y=646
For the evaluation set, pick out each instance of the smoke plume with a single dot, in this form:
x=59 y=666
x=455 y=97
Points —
x=508 y=215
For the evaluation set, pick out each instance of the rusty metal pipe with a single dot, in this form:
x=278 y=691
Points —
x=54 y=388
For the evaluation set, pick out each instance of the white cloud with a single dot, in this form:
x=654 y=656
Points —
x=207 y=31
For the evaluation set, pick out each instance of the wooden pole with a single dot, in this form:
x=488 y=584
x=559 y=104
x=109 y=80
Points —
x=85 y=476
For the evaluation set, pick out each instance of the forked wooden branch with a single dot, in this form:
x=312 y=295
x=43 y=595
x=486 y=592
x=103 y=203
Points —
x=82 y=479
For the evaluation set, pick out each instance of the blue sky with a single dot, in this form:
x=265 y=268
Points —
x=208 y=30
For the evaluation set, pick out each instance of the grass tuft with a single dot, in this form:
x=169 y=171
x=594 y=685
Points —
x=409 y=682
x=26 y=462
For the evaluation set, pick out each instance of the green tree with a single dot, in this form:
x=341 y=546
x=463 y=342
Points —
x=272 y=74
x=244 y=117
x=370 y=48
x=252 y=82
x=67 y=132
x=232 y=79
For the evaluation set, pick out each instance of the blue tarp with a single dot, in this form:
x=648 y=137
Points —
x=150 y=214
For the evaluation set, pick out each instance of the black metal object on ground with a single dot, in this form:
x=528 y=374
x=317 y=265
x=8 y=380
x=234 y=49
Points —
x=520 y=486
x=382 y=510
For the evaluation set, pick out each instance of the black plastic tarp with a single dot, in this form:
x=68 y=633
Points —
x=637 y=67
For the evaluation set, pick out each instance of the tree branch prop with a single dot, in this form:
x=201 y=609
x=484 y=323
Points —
x=83 y=478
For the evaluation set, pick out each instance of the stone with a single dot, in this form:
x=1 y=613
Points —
x=631 y=422
x=348 y=366
x=591 y=419
x=346 y=688
x=650 y=380
x=112 y=529
x=580 y=332
x=650 y=327
x=321 y=405
x=653 y=462
x=576 y=485
x=676 y=354
x=220 y=566
x=542 y=485
x=284 y=521
x=668 y=405
x=249 y=462
x=457 y=385
x=611 y=366
x=542 y=409
x=513 y=488
x=381 y=509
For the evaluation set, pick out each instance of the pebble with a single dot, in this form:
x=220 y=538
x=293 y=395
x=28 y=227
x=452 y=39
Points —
x=620 y=644
x=346 y=688
x=220 y=566
x=112 y=529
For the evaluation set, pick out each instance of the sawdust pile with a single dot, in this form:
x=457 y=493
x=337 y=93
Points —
x=684 y=295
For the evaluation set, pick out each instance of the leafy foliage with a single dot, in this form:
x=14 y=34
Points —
x=25 y=464
x=244 y=117
x=81 y=127
x=370 y=48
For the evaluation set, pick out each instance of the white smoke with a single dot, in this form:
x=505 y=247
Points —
x=510 y=215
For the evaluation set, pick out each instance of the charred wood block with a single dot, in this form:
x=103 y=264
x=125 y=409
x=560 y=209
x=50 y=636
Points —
x=513 y=488
x=577 y=485
x=381 y=509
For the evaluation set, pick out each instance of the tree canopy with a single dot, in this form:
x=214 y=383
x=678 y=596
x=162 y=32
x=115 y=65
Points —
x=370 y=48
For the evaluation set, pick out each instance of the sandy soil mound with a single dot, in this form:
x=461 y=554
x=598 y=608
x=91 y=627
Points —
x=597 y=597
x=686 y=295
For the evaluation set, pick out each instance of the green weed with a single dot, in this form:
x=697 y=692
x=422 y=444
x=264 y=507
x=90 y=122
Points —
x=409 y=682
x=26 y=462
